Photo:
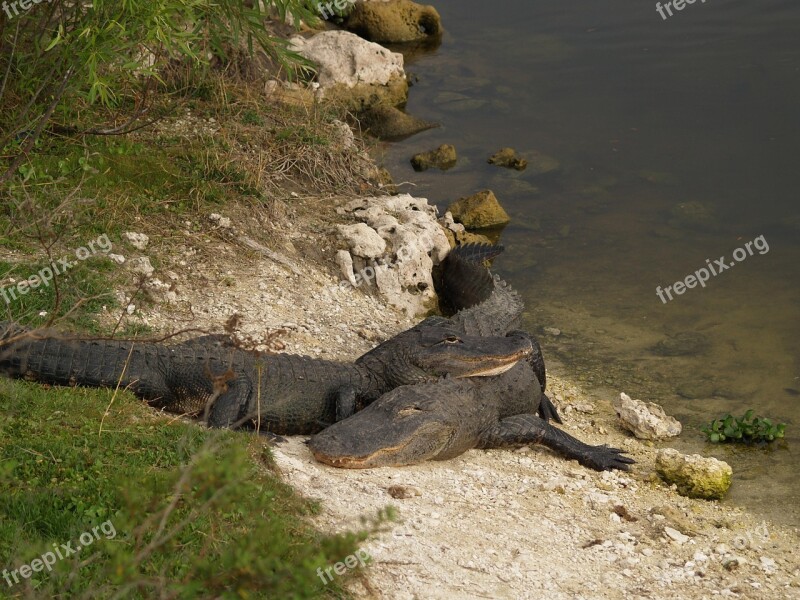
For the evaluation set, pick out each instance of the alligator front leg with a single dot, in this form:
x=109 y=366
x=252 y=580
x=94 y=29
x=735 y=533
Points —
x=530 y=429
x=345 y=402
x=547 y=410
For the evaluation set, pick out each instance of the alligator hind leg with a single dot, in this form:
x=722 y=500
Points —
x=530 y=429
x=229 y=406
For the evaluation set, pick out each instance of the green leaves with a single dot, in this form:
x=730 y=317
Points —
x=745 y=429
x=92 y=63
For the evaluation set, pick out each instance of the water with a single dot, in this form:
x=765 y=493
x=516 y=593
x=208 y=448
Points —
x=678 y=142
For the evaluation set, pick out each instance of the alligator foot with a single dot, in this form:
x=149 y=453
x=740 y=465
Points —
x=530 y=429
x=547 y=410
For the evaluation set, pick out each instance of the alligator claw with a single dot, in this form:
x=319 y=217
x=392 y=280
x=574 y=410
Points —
x=547 y=410
x=605 y=458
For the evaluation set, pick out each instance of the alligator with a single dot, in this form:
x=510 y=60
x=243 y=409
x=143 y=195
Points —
x=440 y=420
x=230 y=387
x=443 y=419
x=483 y=304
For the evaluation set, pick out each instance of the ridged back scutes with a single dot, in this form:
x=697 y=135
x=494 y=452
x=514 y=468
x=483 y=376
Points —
x=496 y=316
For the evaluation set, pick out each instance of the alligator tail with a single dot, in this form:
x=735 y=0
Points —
x=465 y=282
x=50 y=357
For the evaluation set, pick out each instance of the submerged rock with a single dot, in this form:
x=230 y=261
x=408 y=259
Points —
x=539 y=164
x=457 y=102
x=444 y=157
x=646 y=420
x=352 y=71
x=390 y=123
x=479 y=211
x=394 y=21
x=507 y=157
x=687 y=343
x=692 y=214
x=695 y=476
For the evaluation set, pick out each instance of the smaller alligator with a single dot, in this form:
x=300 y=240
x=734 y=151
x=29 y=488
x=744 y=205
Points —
x=441 y=420
x=230 y=387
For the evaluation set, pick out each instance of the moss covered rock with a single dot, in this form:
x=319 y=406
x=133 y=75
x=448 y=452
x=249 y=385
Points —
x=444 y=157
x=390 y=123
x=507 y=157
x=695 y=476
x=394 y=21
x=479 y=211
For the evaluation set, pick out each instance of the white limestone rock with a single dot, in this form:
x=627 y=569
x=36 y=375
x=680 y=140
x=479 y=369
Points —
x=345 y=58
x=141 y=265
x=137 y=240
x=362 y=240
x=413 y=242
x=349 y=67
x=646 y=420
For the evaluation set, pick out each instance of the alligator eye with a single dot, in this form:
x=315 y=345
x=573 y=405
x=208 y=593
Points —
x=451 y=340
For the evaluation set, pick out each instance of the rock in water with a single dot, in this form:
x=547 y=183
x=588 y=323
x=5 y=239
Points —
x=390 y=123
x=479 y=211
x=646 y=420
x=394 y=21
x=444 y=157
x=695 y=476
x=507 y=157
x=352 y=71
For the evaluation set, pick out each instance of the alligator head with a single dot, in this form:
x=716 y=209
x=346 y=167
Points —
x=428 y=352
x=406 y=426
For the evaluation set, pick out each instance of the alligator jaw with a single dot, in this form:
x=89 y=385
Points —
x=486 y=366
x=493 y=371
x=372 y=460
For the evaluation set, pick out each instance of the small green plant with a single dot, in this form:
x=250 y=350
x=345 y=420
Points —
x=745 y=429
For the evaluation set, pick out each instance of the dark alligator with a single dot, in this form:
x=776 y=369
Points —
x=443 y=419
x=229 y=387
x=483 y=304
x=438 y=421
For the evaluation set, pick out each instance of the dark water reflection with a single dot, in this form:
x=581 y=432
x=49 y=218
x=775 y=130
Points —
x=677 y=141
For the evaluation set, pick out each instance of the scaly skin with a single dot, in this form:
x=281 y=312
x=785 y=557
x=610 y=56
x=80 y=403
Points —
x=436 y=421
x=229 y=387
x=441 y=420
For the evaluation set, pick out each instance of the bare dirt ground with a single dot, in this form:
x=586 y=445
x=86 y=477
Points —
x=489 y=524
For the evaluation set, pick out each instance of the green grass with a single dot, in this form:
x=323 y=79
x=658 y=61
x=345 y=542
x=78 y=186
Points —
x=192 y=514
x=196 y=513
x=86 y=285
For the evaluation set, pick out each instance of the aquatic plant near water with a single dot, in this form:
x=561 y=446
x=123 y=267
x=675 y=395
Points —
x=745 y=429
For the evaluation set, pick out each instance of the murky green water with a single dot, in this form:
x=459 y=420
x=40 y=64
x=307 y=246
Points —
x=677 y=142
